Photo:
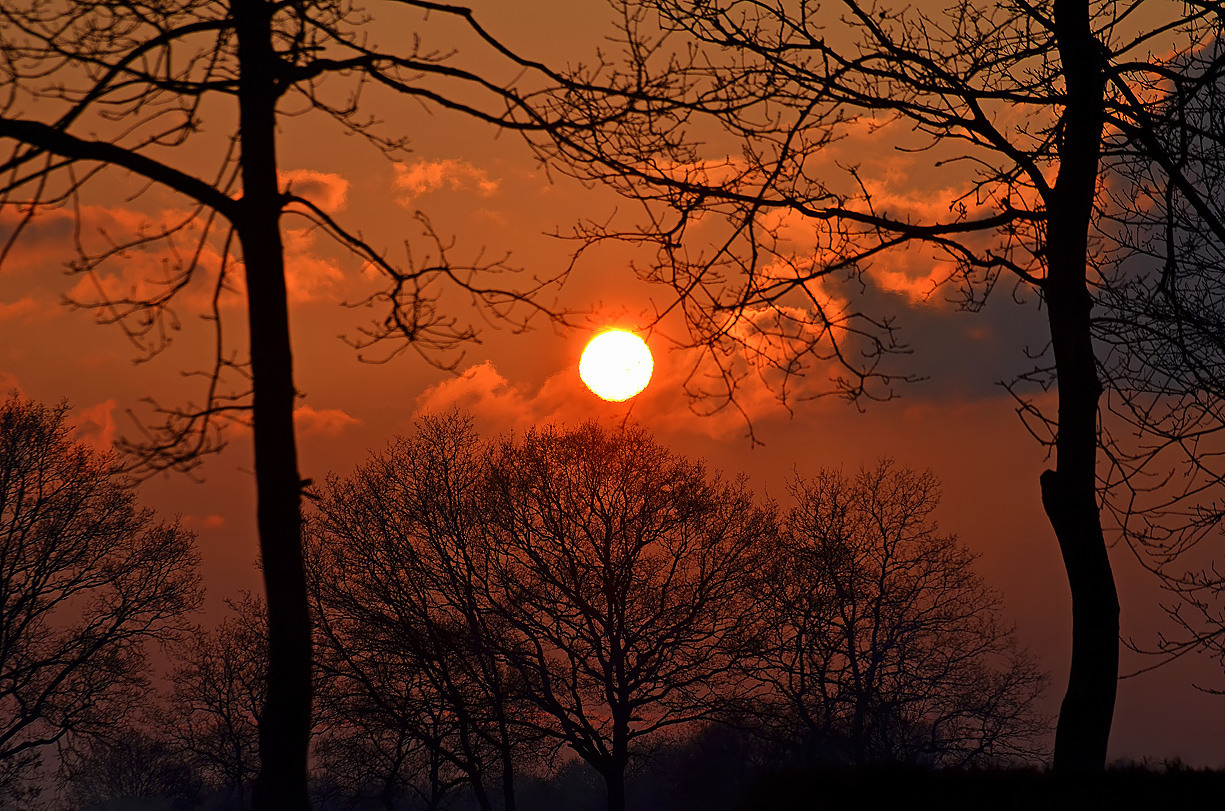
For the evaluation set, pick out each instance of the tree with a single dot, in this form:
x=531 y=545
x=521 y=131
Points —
x=87 y=578
x=130 y=768
x=101 y=89
x=216 y=695
x=1163 y=335
x=584 y=587
x=366 y=760
x=1017 y=104
x=882 y=645
x=623 y=573
x=406 y=639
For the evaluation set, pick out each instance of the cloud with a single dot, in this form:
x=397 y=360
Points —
x=21 y=309
x=149 y=271
x=424 y=177
x=813 y=289
x=308 y=276
x=914 y=270
x=665 y=406
x=906 y=185
x=484 y=391
x=327 y=190
x=46 y=239
x=95 y=426
x=324 y=422
x=171 y=243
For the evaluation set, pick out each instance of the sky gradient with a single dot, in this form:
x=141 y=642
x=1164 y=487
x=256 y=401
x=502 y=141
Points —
x=488 y=194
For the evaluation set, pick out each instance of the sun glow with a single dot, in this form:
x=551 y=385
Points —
x=616 y=365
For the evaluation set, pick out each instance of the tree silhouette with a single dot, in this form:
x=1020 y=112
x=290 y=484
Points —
x=621 y=570
x=129 y=768
x=366 y=757
x=406 y=639
x=1024 y=109
x=1163 y=333
x=87 y=577
x=216 y=694
x=880 y=643
x=102 y=89
x=580 y=588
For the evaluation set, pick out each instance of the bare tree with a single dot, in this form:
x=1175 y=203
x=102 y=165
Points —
x=880 y=642
x=576 y=588
x=129 y=767
x=1163 y=330
x=216 y=695
x=372 y=755
x=623 y=573
x=87 y=578
x=406 y=639
x=1017 y=104
x=133 y=94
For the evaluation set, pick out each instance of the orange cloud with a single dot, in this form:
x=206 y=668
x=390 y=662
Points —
x=149 y=270
x=914 y=270
x=424 y=177
x=919 y=186
x=95 y=426
x=326 y=421
x=21 y=309
x=327 y=190
x=665 y=406
x=46 y=239
x=484 y=391
x=308 y=277
x=51 y=238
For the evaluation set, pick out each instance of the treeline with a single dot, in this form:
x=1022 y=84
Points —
x=517 y=622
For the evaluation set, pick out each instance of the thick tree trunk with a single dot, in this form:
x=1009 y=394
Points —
x=613 y=769
x=284 y=724
x=1069 y=492
x=614 y=781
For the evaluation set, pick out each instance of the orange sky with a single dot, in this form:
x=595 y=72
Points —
x=490 y=195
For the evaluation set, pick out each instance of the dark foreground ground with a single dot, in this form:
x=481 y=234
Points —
x=1119 y=789
x=1166 y=787
x=720 y=778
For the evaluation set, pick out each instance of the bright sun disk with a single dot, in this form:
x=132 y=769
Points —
x=616 y=365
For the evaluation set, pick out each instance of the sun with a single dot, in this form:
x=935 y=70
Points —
x=616 y=365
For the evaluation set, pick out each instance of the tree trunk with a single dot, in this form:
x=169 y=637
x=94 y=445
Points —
x=613 y=768
x=508 y=763
x=1069 y=492
x=614 y=780
x=284 y=724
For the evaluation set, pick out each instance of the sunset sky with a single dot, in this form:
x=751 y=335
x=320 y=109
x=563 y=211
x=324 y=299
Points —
x=487 y=192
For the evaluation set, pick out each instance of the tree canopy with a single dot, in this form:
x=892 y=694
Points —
x=88 y=578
